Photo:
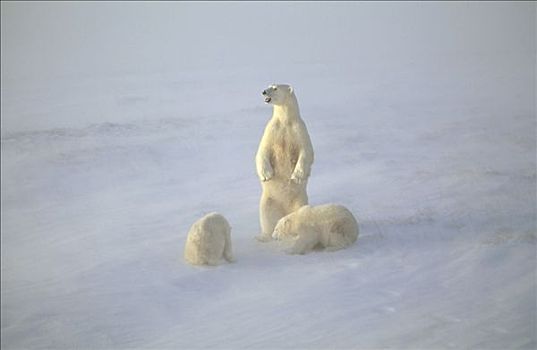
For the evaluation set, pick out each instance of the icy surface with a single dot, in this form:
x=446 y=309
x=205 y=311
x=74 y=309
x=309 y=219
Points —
x=435 y=154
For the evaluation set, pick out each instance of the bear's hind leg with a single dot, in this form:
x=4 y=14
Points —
x=270 y=212
x=298 y=202
x=342 y=234
x=304 y=243
x=228 y=254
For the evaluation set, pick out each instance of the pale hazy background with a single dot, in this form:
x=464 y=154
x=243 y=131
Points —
x=50 y=43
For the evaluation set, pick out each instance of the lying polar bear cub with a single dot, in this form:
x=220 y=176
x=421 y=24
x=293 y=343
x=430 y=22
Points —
x=208 y=241
x=327 y=226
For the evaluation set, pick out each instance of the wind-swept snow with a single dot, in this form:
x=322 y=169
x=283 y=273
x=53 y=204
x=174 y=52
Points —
x=103 y=175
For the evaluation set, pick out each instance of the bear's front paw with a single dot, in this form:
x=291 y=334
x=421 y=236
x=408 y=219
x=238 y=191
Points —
x=298 y=176
x=266 y=174
x=263 y=238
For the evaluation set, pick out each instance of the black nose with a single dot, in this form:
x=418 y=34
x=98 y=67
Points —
x=264 y=92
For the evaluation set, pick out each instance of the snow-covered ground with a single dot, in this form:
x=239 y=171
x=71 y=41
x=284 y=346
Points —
x=103 y=174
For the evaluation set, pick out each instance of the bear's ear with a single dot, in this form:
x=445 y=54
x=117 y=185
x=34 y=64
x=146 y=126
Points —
x=290 y=89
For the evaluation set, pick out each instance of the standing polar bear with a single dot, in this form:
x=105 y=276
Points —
x=327 y=226
x=208 y=241
x=283 y=160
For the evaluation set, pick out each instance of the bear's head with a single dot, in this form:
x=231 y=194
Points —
x=286 y=226
x=283 y=227
x=278 y=94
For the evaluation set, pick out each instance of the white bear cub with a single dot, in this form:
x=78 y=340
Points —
x=327 y=226
x=208 y=241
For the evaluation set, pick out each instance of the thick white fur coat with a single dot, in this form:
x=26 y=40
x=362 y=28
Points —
x=283 y=160
x=328 y=226
x=208 y=241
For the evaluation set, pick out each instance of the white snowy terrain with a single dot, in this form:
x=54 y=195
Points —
x=422 y=118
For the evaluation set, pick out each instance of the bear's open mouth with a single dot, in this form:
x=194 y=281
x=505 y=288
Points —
x=267 y=99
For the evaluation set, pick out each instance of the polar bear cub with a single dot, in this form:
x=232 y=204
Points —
x=327 y=226
x=208 y=241
x=283 y=159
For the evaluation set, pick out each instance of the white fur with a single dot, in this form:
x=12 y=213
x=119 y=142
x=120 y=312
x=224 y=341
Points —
x=327 y=226
x=283 y=160
x=208 y=241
